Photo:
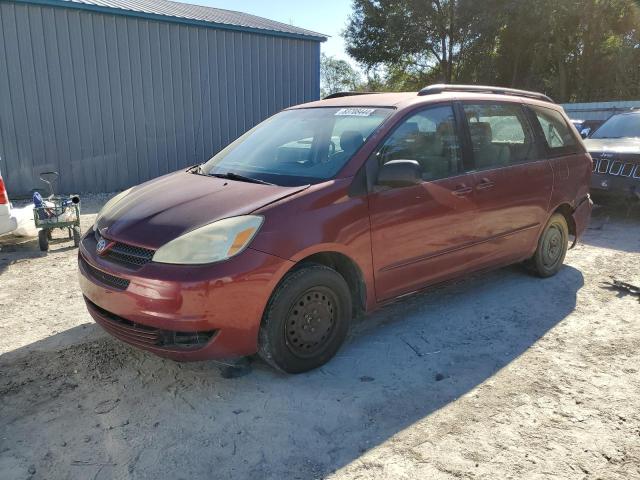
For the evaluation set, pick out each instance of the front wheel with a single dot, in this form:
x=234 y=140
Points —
x=306 y=320
x=552 y=247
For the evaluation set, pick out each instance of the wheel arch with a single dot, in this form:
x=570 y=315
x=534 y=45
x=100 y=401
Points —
x=350 y=271
x=567 y=212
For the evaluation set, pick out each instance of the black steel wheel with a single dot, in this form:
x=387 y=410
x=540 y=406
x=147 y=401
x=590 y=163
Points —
x=552 y=247
x=306 y=320
x=311 y=321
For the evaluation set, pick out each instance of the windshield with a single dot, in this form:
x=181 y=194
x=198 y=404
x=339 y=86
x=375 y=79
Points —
x=619 y=126
x=298 y=147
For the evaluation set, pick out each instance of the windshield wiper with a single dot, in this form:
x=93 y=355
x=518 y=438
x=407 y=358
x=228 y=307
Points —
x=240 y=178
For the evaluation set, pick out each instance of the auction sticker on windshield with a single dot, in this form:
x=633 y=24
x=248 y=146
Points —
x=355 y=112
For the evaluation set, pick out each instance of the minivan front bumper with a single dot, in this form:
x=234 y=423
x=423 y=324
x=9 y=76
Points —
x=186 y=313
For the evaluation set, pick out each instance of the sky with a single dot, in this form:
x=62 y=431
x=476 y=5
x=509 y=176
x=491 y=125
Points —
x=323 y=16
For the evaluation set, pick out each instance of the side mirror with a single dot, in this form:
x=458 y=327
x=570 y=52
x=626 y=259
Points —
x=584 y=133
x=400 y=173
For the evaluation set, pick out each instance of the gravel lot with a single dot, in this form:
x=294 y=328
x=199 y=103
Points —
x=499 y=376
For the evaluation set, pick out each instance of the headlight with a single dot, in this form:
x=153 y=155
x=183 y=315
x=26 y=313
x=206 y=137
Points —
x=212 y=243
x=111 y=203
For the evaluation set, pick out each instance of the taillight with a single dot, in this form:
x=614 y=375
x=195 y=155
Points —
x=4 y=198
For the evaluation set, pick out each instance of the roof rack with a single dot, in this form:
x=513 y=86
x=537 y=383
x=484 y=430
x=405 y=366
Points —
x=347 y=94
x=440 y=88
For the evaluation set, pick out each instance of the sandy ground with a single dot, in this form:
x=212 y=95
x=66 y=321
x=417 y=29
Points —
x=499 y=376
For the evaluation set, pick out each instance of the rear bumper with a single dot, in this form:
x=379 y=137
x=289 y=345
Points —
x=7 y=223
x=582 y=216
x=224 y=301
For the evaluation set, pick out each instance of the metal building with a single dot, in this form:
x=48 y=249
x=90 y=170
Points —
x=114 y=92
x=599 y=110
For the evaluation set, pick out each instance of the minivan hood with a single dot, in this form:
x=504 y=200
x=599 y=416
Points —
x=161 y=210
x=614 y=145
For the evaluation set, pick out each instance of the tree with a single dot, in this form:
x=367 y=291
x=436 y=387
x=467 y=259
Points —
x=573 y=50
x=421 y=37
x=337 y=76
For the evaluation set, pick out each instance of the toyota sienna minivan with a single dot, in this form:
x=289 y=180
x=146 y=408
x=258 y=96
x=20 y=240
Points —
x=331 y=209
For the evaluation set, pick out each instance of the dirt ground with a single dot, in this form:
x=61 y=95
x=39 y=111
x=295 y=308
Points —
x=499 y=376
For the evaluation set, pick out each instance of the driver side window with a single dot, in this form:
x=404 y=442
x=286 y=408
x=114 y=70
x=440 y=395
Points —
x=430 y=138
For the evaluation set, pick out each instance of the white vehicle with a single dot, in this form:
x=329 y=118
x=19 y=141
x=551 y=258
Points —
x=8 y=222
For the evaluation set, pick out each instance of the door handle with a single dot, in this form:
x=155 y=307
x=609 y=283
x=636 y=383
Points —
x=485 y=184
x=462 y=190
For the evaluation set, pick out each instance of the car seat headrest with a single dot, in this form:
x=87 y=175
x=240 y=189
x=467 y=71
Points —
x=481 y=132
x=351 y=140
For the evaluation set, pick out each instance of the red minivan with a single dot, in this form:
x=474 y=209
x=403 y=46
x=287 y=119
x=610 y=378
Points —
x=330 y=209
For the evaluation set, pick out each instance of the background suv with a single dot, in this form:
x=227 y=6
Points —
x=615 y=148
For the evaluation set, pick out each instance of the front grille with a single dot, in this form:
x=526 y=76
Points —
x=603 y=166
x=125 y=330
x=129 y=255
x=143 y=335
x=627 y=169
x=616 y=168
x=105 y=278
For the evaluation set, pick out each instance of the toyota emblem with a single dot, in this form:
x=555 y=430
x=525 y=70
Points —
x=101 y=246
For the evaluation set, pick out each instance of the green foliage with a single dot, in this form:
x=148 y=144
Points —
x=574 y=50
x=337 y=76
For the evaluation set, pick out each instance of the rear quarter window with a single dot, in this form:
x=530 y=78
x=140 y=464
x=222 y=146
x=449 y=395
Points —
x=557 y=134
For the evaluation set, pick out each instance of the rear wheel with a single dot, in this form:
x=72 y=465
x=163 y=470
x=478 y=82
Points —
x=552 y=247
x=306 y=320
x=43 y=239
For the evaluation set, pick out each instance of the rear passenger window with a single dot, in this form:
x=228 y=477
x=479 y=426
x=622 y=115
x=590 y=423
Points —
x=430 y=138
x=556 y=131
x=500 y=134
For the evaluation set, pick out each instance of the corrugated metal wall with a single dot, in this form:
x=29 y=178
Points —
x=110 y=101
x=598 y=110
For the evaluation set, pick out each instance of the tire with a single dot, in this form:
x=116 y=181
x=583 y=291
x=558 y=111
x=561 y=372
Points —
x=43 y=240
x=76 y=236
x=306 y=320
x=552 y=247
